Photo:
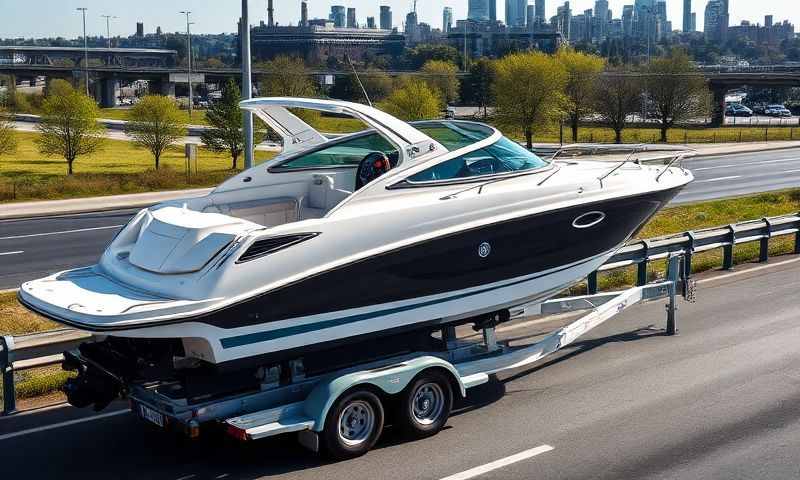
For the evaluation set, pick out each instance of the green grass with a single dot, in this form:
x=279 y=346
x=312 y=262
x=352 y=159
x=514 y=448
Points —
x=18 y=320
x=119 y=168
x=198 y=116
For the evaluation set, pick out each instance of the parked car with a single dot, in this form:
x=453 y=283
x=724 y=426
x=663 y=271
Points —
x=759 y=108
x=738 y=110
x=777 y=111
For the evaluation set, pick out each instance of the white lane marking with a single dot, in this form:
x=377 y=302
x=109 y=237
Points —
x=749 y=270
x=709 y=181
x=61 y=232
x=62 y=424
x=12 y=253
x=745 y=163
x=503 y=462
x=791 y=171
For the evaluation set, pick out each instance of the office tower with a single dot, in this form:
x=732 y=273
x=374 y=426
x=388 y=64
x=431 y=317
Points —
x=371 y=23
x=714 y=20
x=492 y=10
x=541 y=11
x=304 y=13
x=600 y=23
x=687 y=16
x=351 y=18
x=768 y=21
x=627 y=20
x=447 y=19
x=515 y=12
x=530 y=17
x=478 y=10
x=386 y=17
x=338 y=15
x=139 y=29
x=564 y=20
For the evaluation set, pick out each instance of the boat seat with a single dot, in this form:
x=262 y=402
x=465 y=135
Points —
x=268 y=212
x=322 y=196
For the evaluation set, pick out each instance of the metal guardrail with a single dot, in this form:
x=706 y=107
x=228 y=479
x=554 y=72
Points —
x=39 y=350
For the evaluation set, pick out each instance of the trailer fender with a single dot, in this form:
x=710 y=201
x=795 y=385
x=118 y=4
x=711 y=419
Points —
x=391 y=379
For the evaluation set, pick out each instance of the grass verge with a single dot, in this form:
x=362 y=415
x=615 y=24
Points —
x=119 y=168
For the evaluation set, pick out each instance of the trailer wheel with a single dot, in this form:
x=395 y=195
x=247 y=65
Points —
x=425 y=405
x=353 y=424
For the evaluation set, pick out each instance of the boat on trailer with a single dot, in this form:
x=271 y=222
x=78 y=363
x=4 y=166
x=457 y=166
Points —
x=340 y=250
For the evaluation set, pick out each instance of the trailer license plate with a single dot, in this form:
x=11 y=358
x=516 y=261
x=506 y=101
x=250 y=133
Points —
x=151 y=415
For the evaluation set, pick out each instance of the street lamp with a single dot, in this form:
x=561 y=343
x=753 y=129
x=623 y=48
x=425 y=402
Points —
x=85 y=51
x=247 y=88
x=189 y=43
x=108 y=27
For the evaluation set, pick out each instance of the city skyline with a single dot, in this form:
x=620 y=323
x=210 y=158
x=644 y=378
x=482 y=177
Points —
x=211 y=17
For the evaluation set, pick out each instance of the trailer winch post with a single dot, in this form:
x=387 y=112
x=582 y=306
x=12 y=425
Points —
x=674 y=276
x=7 y=369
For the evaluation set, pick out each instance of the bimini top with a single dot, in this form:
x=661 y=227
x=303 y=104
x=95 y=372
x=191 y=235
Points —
x=296 y=132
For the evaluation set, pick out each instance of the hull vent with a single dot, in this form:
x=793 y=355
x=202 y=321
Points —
x=270 y=245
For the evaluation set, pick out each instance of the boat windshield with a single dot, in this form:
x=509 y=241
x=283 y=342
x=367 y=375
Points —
x=454 y=135
x=503 y=156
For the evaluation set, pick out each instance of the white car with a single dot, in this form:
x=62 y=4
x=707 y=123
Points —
x=777 y=111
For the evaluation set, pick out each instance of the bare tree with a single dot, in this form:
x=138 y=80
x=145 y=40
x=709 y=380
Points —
x=617 y=96
x=675 y=88
x=68 y=126
x=155 y=123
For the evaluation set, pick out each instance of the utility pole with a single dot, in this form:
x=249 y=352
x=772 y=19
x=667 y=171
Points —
x=189 y=53
x=85 y=51
x=108 y=27
x=247 y=88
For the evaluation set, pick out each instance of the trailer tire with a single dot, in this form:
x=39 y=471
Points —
x=425 y=405
x=353 y=424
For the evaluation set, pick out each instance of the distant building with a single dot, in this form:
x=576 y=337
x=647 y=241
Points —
x=304 y=13
x=338 y=15
x=530 y=17
x=493 y=11
x=351 y=18
x=600 y=20
x=769 y=34
x=386 y=17
x=768 y=20
x=562 y=21
x=321 y=40
x=478 y=10
x=687 y=16
x=541 y=11
x=412 y=29
x=140 y=29
x=371 y=23
x=447 y=19
x=270 y=13
x=515 y=12
x=716 y=26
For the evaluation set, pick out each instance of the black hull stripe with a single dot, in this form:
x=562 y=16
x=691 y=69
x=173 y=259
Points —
x=258 y=337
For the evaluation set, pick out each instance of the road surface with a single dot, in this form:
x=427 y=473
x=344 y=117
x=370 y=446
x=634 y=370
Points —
x=30 y=248
x=720 y=400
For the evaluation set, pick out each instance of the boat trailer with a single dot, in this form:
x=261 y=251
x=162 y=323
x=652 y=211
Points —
x=343 y=413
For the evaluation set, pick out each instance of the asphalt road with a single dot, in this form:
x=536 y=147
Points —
x=31 y=248
x=720 y=400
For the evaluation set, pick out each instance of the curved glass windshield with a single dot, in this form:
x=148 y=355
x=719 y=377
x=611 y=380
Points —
x=454 y=135
x=503 y=156
x=345 y=153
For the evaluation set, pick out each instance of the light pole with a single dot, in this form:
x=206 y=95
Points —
x=247 y=88
x=85 y=51
x=189 y=42
x=108 y=27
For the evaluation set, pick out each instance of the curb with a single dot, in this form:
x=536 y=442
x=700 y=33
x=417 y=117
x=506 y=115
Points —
x=765 y=149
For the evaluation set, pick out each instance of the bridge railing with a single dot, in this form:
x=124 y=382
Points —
x=18 y=354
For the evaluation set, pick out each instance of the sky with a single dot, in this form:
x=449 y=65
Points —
x=51 y=18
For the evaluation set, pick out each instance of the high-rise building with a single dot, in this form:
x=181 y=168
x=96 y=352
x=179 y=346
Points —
x=351 y=18
x=627 y=20
x=600 y=20
x=412 y=28
x=694 y=21
x=687 y=16
x=492 y=11
x=478 y=10
x=139 y=29
x=371 y=23
x=270 y=14
x=541 y=14
x=304 y=13
x=386 y=17
x=563 y=20
x=338 y=15
x=768 y=20
x=447 y=19
x=515 y=12
x=530 y=17
x=714 y=20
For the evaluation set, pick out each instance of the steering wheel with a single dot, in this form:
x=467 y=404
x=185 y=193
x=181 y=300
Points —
x=371 y=167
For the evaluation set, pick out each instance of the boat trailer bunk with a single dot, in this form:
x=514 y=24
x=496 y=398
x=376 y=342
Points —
x=343 y=413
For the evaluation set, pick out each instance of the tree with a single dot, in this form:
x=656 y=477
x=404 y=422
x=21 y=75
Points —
x=478 y=86
x=414 y=100
x=528 y=91
x=8 y=138
x=442 y=76
x=675 y=89
x=419 y=55
x=616 y=97
x=68 y=126
x=286 y=77
x=155 y=123
x=59 y=87
x=583 y=70
x=225 y=121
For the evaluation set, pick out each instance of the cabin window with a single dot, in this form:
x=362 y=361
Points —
x=345 y=153
x=454 y=135
x=503 y=156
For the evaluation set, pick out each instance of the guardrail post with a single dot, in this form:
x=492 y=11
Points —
x=687 y=255
x=727 y=250
x=763 y=253
x=7 y=369
x=641 y=267
x=591 y=283
x=797 y=241
x=673 y=276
